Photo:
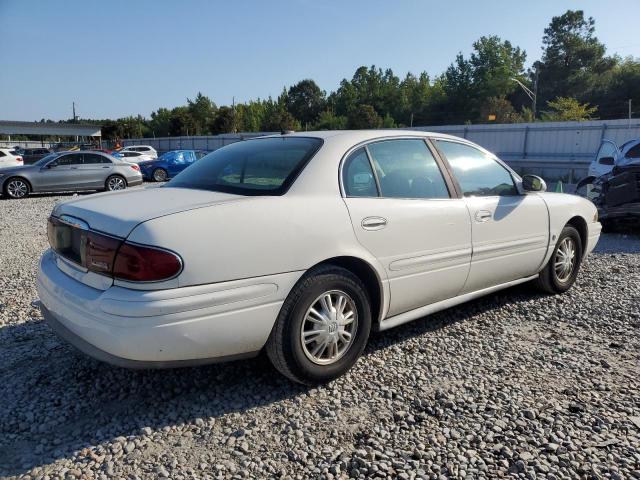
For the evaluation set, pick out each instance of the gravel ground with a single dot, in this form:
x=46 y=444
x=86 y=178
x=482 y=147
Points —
x=516 y=384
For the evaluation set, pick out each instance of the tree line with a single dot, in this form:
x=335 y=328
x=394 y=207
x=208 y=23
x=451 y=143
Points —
x=574 y=79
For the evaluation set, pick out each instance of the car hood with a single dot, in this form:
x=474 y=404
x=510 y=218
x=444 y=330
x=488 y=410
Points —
x=118 y=213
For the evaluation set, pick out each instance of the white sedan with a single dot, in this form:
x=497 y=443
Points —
x=301 y=244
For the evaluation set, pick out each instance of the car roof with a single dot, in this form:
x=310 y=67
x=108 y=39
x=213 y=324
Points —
x=363 y=135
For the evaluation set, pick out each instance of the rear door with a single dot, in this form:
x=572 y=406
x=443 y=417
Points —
x=95 y=169
x=406 y=213
x=510 y=231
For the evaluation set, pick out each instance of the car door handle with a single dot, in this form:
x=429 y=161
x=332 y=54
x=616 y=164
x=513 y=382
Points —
x=73 y=168
x=374 y=223
x=483 y=215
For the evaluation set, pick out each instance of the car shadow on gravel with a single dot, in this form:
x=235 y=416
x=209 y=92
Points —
x=56 y=401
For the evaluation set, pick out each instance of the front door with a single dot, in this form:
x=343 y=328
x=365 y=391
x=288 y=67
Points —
x=402 y=212
x=58 y=174
x=510 y=231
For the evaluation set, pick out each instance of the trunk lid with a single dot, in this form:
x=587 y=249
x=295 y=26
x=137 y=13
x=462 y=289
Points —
x=119 y=213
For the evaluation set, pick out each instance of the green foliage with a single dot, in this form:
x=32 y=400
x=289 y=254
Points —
x=305 y=101
x=202 y=111
x=330 y=121
x=572 y=57
x=564 y=109
x=502 y=109
x=225 y=121
x=363 y=116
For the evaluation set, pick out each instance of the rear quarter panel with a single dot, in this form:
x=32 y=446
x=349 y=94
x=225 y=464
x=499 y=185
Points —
x=254 y=237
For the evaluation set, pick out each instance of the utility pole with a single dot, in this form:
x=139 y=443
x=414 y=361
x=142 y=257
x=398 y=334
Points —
x=534 y=100
x=411 y=120
x=629 y=113
x=75 y=119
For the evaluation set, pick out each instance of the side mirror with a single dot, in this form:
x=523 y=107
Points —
x=533 y=183
x=607 y=161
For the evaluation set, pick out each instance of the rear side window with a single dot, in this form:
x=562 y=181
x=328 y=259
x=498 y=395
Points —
x=407 y=169
x=75 y=159
x=357 y=176
x=478 y=174
x=265 y=166
x=2 y=154
x=94 y=158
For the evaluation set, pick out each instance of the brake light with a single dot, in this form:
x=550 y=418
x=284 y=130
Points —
x=136 y=263
x=100 y=252
x=19 y=159
x=111 y=256
x=135 y=167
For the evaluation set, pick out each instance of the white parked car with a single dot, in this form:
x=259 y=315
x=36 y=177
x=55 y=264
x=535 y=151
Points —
x=136 y=157
x=10 y=158
x=145 y=149
x=301 y=244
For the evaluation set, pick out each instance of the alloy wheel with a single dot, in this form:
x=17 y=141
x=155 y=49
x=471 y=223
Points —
x=565 y=259
x=17 y=188
x=159 y=175
x=116 y=183
x=329 y=327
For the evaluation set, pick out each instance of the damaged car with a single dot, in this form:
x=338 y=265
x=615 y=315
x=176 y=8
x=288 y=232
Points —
x=613 y=184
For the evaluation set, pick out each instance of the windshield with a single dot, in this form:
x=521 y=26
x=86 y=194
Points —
x=265 y=166
x=46 y=159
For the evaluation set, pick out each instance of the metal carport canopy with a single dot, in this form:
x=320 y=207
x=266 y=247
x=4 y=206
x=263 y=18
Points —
x=8 y=127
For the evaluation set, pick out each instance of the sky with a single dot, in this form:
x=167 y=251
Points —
x=127 y=57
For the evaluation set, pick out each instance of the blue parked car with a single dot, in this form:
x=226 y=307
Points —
x=169 y=164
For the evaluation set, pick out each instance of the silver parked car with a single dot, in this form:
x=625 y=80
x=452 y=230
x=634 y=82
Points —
x=69 y=171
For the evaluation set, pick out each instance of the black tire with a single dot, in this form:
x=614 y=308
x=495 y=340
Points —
x=285 y=345
x=159 y=175
x=115 y=183
x=16 y=188
x=550 y=280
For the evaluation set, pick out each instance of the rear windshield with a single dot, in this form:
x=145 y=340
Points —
x=265 y=166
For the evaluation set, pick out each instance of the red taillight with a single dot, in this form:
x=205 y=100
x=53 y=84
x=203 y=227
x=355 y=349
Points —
x=19 y=159
x=135 y=167
x=136 y=263
x=100 y=252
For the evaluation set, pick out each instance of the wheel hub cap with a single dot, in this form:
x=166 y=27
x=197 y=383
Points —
x=565 y=259
x=329 y=327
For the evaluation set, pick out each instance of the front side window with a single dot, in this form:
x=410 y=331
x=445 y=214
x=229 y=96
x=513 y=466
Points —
x=478 y=174
x=357 y=176
x=264 y=166
x=407 y=169
x=64 y=160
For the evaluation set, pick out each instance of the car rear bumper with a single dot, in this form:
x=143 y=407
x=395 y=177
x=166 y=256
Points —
x=162 y=328
x=135 y=181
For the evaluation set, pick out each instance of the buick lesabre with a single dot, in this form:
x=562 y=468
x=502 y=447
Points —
x=300 y=245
